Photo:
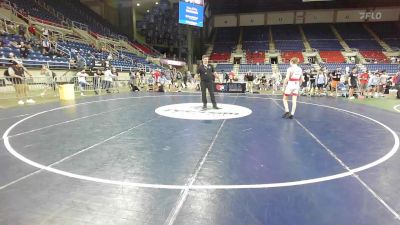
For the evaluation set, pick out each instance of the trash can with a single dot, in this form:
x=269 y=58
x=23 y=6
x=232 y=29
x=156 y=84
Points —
x=66 y=92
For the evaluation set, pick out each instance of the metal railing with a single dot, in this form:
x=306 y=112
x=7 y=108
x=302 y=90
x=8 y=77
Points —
x=47 y=84
x=81 y=26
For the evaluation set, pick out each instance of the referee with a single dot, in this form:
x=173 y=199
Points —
x=207 y=76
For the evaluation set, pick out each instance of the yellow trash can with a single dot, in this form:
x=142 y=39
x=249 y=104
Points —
x=66 y=92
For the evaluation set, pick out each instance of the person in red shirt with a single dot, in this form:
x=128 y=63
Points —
x=156 y=75
x=32 y=29
x=363 y=80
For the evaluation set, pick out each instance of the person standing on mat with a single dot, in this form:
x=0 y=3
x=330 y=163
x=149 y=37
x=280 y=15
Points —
x=293 y=79
x=207 y=76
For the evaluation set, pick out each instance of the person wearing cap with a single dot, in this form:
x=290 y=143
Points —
x=17 y=74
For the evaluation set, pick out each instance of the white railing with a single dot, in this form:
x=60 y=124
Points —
x=81 y=26
x=47 y=84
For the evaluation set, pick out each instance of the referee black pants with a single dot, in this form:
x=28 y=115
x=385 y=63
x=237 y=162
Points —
x=210 y=86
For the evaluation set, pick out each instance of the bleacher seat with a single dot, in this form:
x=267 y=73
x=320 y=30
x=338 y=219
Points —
x=334 y=66
x=332 y=56
x=266 y=68
x=286 y=56
x=224 y=68
x=255 y=39
x=389 y=68
x=375 y=55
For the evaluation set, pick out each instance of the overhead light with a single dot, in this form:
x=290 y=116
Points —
x=148 y=10
x=156 y=3
x=137 y=4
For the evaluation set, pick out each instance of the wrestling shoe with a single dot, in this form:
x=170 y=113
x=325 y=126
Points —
x=287 y=114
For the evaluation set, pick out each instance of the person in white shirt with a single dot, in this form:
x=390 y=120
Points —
x=293 y=79
x=82 y=80
x=46 y=46
x=321 y=82
x=108 y=78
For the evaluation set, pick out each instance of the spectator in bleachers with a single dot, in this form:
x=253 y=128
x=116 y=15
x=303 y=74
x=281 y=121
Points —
x=352 y=80
x=21 y=30
x=110 y=57
x=2 y=30
x=45 y=32
x=24 y=50
x=32 y=29
x=46 y=46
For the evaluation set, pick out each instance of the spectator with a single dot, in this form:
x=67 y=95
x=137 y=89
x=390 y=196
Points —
x=231 y=76
x=179 y=81
x=115 y=79
x=23 y=50
x=396 y=84
x=249 y=77
x=185 y=78
x=133 y=81
x=46 y=46
x=82 y=80
x=107 y=80
x=17 y=75
x=363 y=80
x=321 y=82
x=49 y=78
x=32 y=30
x=21 y=30
x=45 y=32
x=382 y=83
x=373 y=84
x=352 y=82
x=96 y=80
x=110 y=57
x=161 y=82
